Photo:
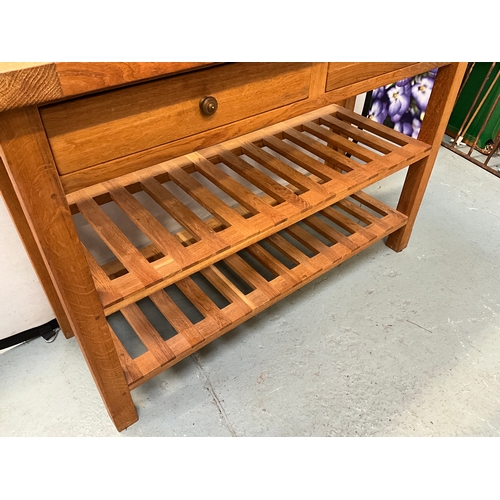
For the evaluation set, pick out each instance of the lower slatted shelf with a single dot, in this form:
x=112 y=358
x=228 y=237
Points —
x=172 y=323
x=191 y=212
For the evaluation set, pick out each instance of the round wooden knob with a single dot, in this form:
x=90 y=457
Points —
x=209 y=105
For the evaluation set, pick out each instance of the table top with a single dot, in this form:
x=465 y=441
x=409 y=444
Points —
x=33 y=83
x=38 y=83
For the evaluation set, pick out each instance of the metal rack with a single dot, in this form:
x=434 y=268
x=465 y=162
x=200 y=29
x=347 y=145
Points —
x=482 y=109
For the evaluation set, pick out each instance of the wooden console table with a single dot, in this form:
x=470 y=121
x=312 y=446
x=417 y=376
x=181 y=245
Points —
x=241 y=183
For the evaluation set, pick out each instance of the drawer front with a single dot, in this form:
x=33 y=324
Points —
x=343 y=74
x=95 y=129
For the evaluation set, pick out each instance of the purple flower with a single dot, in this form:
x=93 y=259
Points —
x=404 y=82
x=416 y=124
x=378 y=111
x=406 y=89
x=405 y=124
x=378 y=93
x=399 y=102
x=421 y=92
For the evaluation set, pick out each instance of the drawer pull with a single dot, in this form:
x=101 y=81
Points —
x=209 y=105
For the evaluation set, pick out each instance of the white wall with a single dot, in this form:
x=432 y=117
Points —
x=23 y=304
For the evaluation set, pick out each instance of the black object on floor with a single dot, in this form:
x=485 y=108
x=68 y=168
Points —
x=47 y=331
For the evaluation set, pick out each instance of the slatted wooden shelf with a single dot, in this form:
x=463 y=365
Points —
x=249 y=189
x=172 y=323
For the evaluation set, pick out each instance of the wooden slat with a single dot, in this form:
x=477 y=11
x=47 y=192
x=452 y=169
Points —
x=182 y=214
x=284 y=171
x=371 y=140
x=356 y=211
x=250 y=275
x=201 y=301
x=307 y=239
x=126 y=253
x=149 y=225
x=376 y=128
x=320 y=150
x=148 y=334
x=330 y=233
x=272 y=264
x=277 y=191
x=306 y=265
x=338 y=141
x=116 y=269
x=285 y=247
x=303 y=160
x=387 y=212
x=176 y=317
x=346 y=223
x=374 y=224
x=208 y=200
x=324 y=255
x=131 y=181
x=372 y=203
x=228 y=289
x=234 y=189
x=389 y=215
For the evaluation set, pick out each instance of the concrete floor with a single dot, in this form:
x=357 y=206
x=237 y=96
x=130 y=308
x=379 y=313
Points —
x=386 y=344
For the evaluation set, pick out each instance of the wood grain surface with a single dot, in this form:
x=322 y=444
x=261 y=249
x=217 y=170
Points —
x=79 y=78
x=96 y=129
x=25 y=84
x=348 y=79
x=275 y=204
x=262 y=293
x=183 y=145
x=345 y=73
x=35 y=83
x=22 y=226
x=125 y=130
x=441 y=102
x=27 y=158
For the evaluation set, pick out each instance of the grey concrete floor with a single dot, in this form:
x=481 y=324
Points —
x=386 y=344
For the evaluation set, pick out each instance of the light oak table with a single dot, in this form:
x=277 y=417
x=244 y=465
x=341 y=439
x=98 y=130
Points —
x=271 y=153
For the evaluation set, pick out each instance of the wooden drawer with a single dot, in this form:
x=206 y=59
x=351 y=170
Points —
x=92 y=130
x=346 y=73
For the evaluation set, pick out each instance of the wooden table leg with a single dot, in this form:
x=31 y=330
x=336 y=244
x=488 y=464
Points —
x=440 y=106
x=31 y=168
x=29 y=242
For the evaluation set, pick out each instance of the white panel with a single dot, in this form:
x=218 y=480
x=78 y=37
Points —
x=360 y=102
x=23 y=303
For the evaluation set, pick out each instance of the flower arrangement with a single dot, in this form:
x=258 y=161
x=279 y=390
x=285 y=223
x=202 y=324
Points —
x=402 y=105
